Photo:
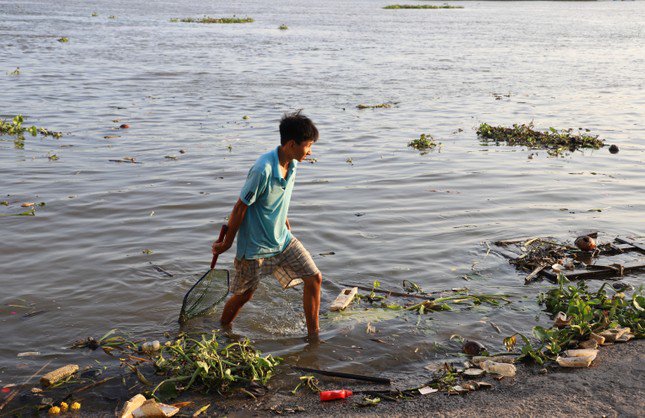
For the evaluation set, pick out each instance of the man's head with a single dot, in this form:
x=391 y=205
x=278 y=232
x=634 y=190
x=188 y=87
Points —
x=297 y=134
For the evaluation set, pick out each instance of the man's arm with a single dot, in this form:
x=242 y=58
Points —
x=234 y=222
x=288 y=225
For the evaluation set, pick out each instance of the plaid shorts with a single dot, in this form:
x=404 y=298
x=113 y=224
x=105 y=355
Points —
x=289 y=267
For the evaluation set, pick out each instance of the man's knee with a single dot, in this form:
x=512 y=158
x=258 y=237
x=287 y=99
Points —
x=315 y=280
x=247 y=296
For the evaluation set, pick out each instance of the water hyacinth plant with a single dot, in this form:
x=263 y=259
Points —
x=588 y=312
x=204 y=364
x=556 y=142
x=14 y=128
x=424 y=143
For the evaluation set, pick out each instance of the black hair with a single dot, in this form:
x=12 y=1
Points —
x=296 y=126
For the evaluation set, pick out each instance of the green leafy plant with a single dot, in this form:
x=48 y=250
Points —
x=424 y=143
x=588 y=312
x=283 y=27
x=63 y=39
x=203 y=363
x=308 y=381
x=555 y=142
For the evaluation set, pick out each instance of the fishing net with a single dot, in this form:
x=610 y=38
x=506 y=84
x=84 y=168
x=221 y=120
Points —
x=203 y=298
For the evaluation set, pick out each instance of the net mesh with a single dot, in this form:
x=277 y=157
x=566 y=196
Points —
x=205 y=295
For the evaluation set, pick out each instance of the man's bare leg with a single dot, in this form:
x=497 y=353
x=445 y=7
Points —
x=233 y=306
x=311 y=302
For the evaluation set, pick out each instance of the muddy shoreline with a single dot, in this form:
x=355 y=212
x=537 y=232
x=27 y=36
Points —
x=610 y=387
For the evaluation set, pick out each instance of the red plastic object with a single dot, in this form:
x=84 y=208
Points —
x=330 y=395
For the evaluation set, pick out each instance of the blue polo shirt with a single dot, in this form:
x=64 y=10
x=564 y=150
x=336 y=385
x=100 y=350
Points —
x=264 y=232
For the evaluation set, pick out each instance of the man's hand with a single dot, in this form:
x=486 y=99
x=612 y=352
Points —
x=220 y=247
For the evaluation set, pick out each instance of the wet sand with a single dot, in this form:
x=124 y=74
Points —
x=613 y=386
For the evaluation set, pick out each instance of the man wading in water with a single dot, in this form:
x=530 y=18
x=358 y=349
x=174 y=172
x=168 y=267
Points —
x=265 y=244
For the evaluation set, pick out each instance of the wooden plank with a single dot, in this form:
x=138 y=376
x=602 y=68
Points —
x=506 y=253
x=636 y=245
x=345 y=297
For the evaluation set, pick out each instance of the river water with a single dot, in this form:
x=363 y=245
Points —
x=387 y=212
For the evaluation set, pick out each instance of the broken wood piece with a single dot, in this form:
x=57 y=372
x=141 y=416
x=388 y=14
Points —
x=58 y=374
x=534 y=273
x=636 y=245
x=380 y=380
x=343 y=300
x=130 y=406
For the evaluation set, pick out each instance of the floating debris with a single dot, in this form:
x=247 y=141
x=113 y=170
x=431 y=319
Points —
x=416 y=6
x=424 y=143
x=58 y=374
x=555 y=142
x=207 y=19
x=283 y=27
x=376 y=106
x=63 y=40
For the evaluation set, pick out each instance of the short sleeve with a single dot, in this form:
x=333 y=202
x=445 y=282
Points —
x=256 y=182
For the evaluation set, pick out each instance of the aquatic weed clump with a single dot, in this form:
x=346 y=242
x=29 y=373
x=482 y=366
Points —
x=207 y=19
x=589 y=313
x=554 y=141
x=210 y=367
x=424 y=143
x=14 y=128
x=421 y=6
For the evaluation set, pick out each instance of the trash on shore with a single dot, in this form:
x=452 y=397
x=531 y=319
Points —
x=503 y=369
x=58 y=374
x=331 y=395
x=153 y=409
x=556 y=142
x=130 y=406
x=593 y=318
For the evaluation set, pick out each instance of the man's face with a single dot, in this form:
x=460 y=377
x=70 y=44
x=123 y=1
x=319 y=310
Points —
x=302 y=150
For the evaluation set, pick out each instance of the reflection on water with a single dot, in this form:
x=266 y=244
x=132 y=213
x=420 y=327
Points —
x=391 y=214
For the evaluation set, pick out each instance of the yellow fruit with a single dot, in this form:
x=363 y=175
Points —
x=54 y=410
x=64 y=407
x=76 y=406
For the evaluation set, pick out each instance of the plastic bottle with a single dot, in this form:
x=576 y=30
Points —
x=330 y=395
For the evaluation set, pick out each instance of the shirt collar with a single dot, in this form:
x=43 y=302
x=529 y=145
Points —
x=276 y=165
